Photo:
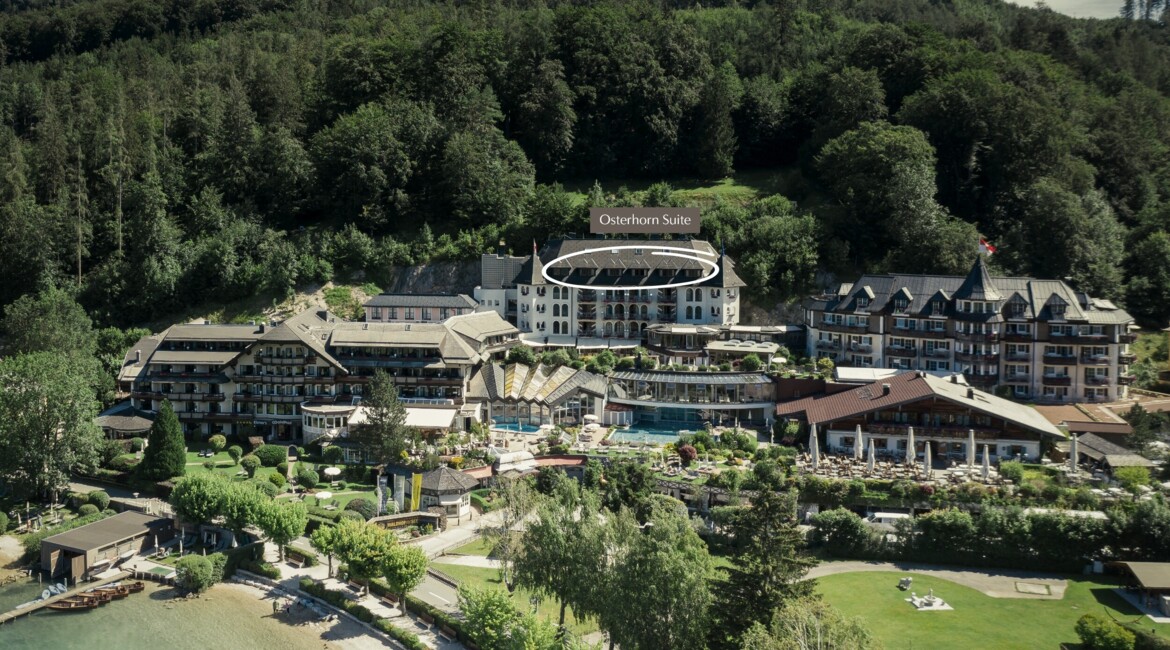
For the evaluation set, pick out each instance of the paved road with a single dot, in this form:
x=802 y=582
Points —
x=997 y=583
x=438 y=594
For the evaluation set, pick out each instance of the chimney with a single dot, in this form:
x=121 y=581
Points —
x=970 y=393
x=885 y=389
x=954 y=379
x=261 y=328
x=138 y=356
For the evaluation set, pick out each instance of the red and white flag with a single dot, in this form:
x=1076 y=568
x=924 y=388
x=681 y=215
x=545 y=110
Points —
x=986 y=247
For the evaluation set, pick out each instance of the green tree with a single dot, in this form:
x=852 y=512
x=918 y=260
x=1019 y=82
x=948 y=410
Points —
x=199 y=498
x=166 y=454
x=47 y=425
x=404 y=569
x=562 y=551
x=1132 y=477
x=808 y=624
x=1102 y=634
x=518 y=500
x=283 y=521
x=324 y=539
x=50 y=321
x=195 y=573
x=217 y=442
x=841 y=532
x=307 y=478
x=629 y=485
x=767 y=569
x=384 y=436
x=718 y=101
x=544 y=118
x=751 y=363
x=363 y=547
x=522 y=354
x=489 y=615
x=236 y=452
x=243 y=505
x=484 y=178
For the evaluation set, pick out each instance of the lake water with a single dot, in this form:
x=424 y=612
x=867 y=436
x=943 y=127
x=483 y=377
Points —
x=226 y=617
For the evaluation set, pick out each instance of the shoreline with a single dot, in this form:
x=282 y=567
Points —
x=343 y=633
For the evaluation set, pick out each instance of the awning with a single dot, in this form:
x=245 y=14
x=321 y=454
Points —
x=430 y=418
x=1151 y=575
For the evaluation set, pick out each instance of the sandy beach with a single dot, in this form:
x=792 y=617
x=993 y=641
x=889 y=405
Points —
x=342 y=634
x=10 y=552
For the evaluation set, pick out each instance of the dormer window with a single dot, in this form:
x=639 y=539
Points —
x=1057 y=311
x=901 y=304
x=938 y=306
x=863 y=302
x=1016 y=309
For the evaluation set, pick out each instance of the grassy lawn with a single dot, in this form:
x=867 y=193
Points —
x=480 y=547
x=480 y=577
x=978 y=621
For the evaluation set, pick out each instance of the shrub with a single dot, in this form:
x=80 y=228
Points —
x=364 y=507
x=236 y=452
x=250 y=464
x=281 y=467
x=687 y=454
x=350 y=514
x=195 y=573
x=1102 y=634
x=405 y=637
x=300 y=452
x=217 y=442
x=99 y=499
x=333 y=455
x=209 y=465
x=341 y=485
x=87 y=510
x=271 y=455
x=1012 y=471
x=267 y=487
x=3 y=522
x=261 y=569
x=136 y=444
x=125 y=463
x=277 y=479
x=1132 y=477
x=307 y=478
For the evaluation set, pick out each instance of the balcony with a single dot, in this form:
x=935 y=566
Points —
x=1125 y=380
x=1096 y=380
x=1126 y=358
x=1059 y=360
x=1017 y=378
x=1017 y=356
x=286 y=361
x=1094 y=360
x=828 y=345
x=667 y=295
x=860 y=349
x=586 y=295
x=1093 y=339
x=937 y=353
x=892 y=351
x=1017 y=337
x=849 y=329
x=976 y=358
x=1127 y=338
x=587 y=315
x=977 y=337
x=1056 y=380
x=921 y=334
x=981 y=380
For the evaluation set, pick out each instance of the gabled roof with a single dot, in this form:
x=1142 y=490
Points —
x=637 y=267
x=459 y=301
x=909 y=387
x=138 y=356
x=213 y=332
x=1114 y=455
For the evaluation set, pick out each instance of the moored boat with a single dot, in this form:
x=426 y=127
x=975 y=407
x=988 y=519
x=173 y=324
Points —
x=136 y=587
x=70 y=605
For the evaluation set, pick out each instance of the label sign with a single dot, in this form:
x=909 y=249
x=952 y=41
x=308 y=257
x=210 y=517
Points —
x=644 y=221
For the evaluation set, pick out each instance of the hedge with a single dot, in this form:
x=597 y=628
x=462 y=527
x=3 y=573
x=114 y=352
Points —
x=239 y=556
x=405 y=637
x=338 y=600
x=271 y=455
x=310 y=557
x=261 y=568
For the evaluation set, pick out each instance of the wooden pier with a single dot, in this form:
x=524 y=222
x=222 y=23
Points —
x=41 y=604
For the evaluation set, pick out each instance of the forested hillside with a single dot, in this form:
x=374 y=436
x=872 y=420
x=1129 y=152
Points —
x=160 y=153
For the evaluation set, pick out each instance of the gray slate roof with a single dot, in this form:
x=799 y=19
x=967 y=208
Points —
x=445 y=480
x=660 y=269
x=460 y=301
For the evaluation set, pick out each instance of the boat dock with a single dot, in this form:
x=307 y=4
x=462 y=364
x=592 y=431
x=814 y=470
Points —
x=41 y=604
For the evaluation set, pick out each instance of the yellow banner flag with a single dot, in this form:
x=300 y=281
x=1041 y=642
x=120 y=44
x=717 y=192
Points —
x=415 y=491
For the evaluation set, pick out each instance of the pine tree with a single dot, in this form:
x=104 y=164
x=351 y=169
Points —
x=166 y=454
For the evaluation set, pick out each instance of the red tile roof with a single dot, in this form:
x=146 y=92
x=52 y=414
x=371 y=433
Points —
x=904 y=388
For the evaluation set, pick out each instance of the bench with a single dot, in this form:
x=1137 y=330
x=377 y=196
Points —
x=447 y=633
x=426 y=618
x=355 y=586
x=390 y=599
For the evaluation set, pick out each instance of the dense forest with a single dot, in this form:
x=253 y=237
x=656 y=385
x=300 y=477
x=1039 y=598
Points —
x=156 y=154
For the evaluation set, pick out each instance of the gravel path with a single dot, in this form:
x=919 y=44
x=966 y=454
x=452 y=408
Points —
x=997 y=583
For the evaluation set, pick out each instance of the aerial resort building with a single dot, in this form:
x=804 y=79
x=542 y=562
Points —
x=940 y=412
x=417 y=308
x=259 y=379
x=448 y=489
x=524 y=398
x=688 y=400
x=1037 y=339
x=98 y=546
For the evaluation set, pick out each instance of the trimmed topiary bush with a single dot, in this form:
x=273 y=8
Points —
x=266 y=487
x=99 y=499
x=307 y=478
x=236 y=452
x=250 y=464
x=277 y=479
x=87 y=510
x=271 y=455
x=364 y=507
x=217 y=442
x=281 y=467
x=350 y=514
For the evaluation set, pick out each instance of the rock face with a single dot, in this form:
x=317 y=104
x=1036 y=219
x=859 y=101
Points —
x=438 y=277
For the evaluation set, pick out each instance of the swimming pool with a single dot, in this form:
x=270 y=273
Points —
x=512 y=427
x=645 y=434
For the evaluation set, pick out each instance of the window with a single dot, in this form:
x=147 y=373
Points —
x=690 y=295
x=556 y=310
x=901 y=304
x=426 y=313
x=715 y=293
x=863 y=302
x=690 y=312
x=938 y=306
x=556 y=327
x=410 y=313
x=1057 y=311
x=698 y=312
x=444 y=313
x=377 y=313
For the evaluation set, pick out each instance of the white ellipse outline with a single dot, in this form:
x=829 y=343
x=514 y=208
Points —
x=671 y=252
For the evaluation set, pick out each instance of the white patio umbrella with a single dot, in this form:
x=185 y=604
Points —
x=971 y=448
x=857 y=449
x=332 y=473
x=814 y=448
x=986 y=462
x=869 y=464
x=911 y=456
x=1072 y=454
x=926 y=460
x=323 y=495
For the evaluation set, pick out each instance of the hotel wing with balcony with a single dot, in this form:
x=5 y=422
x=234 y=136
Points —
x=1029 y=339
x=688 y=400
x=305 y=375
x=614 y=307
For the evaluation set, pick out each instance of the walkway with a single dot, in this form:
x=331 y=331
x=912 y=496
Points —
x=471 y=560
x=291 y=579
x=456 y=536
x=997 y=583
